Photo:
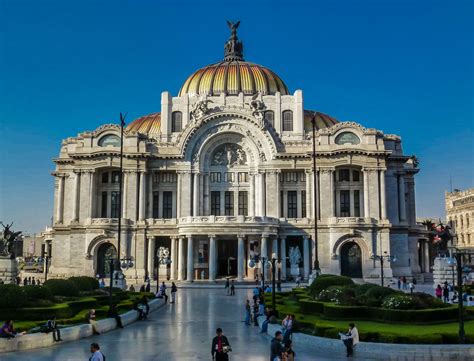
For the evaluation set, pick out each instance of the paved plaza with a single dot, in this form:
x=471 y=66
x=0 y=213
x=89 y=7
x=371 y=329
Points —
x=182 y=331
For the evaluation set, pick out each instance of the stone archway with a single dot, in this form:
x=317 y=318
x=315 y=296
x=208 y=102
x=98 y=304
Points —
x=351 y=260
x=105 y=252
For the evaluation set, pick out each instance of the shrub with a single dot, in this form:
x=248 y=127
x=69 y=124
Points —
x=375 y=295
x=346 y=312
x=427 y=301
x=85 y=283
x=400 y=302
x=60 y=287
x=311 y=307
x=325 y=281
x=12 y=296
x=37 y=293
x=362 y=289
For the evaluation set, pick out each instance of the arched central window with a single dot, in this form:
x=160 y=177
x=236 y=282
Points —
x=287 y=121
x=109 y=140
x=176 y=122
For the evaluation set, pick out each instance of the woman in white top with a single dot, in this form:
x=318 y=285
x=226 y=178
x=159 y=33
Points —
x=352 y=339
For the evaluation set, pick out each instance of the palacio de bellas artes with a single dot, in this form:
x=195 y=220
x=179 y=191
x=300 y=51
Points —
x=225 y=171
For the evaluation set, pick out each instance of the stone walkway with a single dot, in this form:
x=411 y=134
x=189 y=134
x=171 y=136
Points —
x=182 y=332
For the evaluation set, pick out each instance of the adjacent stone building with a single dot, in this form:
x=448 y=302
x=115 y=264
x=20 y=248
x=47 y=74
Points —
x=223 y=173
x=460 y=213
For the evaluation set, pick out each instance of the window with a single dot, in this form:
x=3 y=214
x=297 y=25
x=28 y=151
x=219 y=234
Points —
x=344 y=175
x=155 y=204
x=355 y=176
x=229 y=203
x=109 y=140
x=176 y=121
x=287 y=121
x=115 y=205
x=345 y=203
x=292 y=204
x=105 y=177
x=165 y=178
x=115 y=177
x=270 y=118
x=356 y=203
x=228 y=177
x=103 y=206
x=303 y=204
x=216 y=203
x=347 y=138
x=215 y=177
x=243 y=177
x=168 y=204
x=243 y=203
x=282 y=206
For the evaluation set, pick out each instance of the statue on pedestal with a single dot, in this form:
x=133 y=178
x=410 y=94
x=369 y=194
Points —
x=8 y=238
x=295 y=259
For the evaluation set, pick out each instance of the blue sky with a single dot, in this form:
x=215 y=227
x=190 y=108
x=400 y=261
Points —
x=405 y=67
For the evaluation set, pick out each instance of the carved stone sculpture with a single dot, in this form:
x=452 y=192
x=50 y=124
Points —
x=200 y=108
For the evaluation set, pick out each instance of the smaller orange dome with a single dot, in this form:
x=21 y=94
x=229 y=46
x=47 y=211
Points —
x=147 y=124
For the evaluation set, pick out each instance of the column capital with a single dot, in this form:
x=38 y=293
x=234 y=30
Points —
x=211 y=235
x=265 y=235
x=189 y=236
x=274 y=171
x=60 y=174
x=327 y=170
x=187 y=171
x=283 y=237
x=241 y=236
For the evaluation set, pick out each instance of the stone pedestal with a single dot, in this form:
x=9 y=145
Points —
x=294 y=270
x=118 y=280
x=8 y=270
x=443 y=271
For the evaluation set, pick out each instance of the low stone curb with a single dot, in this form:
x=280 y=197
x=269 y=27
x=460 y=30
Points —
x=385 y=351
x=39 y=340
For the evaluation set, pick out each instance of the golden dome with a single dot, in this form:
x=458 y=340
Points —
x=233 y=75
x=147 y=124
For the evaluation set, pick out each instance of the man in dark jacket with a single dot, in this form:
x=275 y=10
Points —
x=276 y=348
x=220 y=347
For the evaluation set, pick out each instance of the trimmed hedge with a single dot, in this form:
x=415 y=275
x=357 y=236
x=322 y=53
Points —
x=85 y=283
x=311 y=307
x=37 y=293
x=323 y=282
x=60 y=287
x=11 y=296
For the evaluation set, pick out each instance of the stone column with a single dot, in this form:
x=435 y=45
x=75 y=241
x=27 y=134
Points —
x=212 y=258
x=383 y=196
x=263 y=195
x=240 y=258
x=283 y=257
x=76 y=204
x=277 y=194
x=150 y=196
x=124 y=202
x=60 y=207
x=91 y=194
x=174 y=258
x=275 y=247
x=180 y=259
x=190 y=267
x=251 y=195
x=366 y=194
x=332 y=194
x=142 y=201
x=151 y=256
x=306 y=257
x=401 y=197
x=196 y=194
x=309 y=190
x=264 y=253
x=178 y=197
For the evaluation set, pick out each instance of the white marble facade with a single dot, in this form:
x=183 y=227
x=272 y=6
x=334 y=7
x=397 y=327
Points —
x=219 y=177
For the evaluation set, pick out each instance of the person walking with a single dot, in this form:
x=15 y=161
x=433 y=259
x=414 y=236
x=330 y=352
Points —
x=163 y=291
x=148 y=285
x=276 y=348
x=174 y=289
x=232 y=288
x=404 y=283
x=399 y=282
x=439 y=292
x=350 y=339
x=220 y=346
x=227 y=286
x=247 y=313
x=411 y=286
x=446 y=294
x=97 y=355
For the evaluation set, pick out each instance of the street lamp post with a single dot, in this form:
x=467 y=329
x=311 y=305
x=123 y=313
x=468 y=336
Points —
x=456 y=260
x=382 y=258
x=273 y=262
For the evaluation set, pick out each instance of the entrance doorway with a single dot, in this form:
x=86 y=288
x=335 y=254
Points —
x=351 y=260
x=105 y=253
x=227 y=258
